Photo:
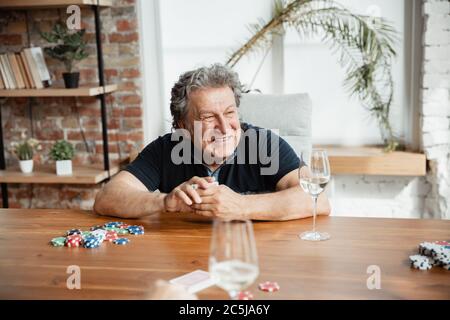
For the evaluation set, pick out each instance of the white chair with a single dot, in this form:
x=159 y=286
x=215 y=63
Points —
x=289 y=113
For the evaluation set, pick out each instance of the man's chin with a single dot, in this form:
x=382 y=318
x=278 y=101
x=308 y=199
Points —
x=219 y=156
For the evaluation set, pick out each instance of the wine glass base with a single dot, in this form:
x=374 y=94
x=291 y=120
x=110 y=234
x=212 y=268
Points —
x=314 y=236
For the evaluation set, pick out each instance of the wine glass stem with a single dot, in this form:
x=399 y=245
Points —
x=314 y=213
x=233 y=294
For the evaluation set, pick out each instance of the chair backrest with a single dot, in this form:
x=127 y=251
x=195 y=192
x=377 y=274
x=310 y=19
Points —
x=289 y=113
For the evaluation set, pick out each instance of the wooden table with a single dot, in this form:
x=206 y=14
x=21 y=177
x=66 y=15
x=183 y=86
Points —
x=175 y=244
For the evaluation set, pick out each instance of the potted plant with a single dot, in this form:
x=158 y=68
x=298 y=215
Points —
x=62 y=152
x=70 y=47
x=24 y=151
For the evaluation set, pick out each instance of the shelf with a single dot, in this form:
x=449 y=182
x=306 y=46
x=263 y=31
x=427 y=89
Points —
x=58 y=92
x=27 y=4
x=46 y=174
x=374 y=161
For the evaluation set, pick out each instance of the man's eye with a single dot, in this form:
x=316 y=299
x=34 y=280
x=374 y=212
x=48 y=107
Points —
x=230 y=113
x=208 y=118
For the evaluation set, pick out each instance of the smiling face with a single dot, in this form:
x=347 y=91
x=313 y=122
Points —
x=215 y=109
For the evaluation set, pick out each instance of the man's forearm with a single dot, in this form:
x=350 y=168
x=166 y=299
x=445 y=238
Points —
x=287 y=204
x=122 y=203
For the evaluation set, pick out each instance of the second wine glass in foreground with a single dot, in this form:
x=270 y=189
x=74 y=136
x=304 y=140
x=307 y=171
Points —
x=233 y=261
x=313 y=177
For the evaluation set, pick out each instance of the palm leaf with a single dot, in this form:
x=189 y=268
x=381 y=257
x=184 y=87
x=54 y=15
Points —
x=365 y=46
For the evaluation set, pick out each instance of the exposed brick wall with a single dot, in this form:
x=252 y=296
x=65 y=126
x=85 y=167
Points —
x=435 y=99
x=57 y=118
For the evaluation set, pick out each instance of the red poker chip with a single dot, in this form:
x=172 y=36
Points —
x=442 y=243
x=111 y=236
x=269 y=286
x=73 y=243
x=244 y=295
x=124 y=226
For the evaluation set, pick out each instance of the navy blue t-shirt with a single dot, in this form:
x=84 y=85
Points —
x=243 y=172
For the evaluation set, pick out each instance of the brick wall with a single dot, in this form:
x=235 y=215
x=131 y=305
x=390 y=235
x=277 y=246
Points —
x=67 y=118
x=435 y=101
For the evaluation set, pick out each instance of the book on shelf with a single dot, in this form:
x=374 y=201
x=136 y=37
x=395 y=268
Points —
x=16 y=71
x=22 y=71
x=2 y=85
x=33 y=69
x=3 y=73
x=26 y=69
x=38 y=56
x=8 y=71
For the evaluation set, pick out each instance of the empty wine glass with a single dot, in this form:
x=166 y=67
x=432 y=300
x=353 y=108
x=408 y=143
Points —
x=314 y=176
x=233 y=261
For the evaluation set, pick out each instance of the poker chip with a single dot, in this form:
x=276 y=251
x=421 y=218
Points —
x=111 y=236
x=114 y=224
x=96 y=235
x=92 y=242
x=431 y=254
x=136 y=230
x=58 y=241
x=73 y=231
x=244 y=295
x=269 y=286
x=74 y=240
x=121 y=241
x=121 y=231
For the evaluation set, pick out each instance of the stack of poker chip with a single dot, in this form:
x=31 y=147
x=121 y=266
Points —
x=136 y=230
x=96 y=235
x=432 y=254
x=74 y=240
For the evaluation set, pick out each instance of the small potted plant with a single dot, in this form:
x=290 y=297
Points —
x=62 y=152
x=24 y=151
x=69 y=47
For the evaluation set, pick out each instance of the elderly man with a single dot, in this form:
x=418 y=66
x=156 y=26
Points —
x=216 y=170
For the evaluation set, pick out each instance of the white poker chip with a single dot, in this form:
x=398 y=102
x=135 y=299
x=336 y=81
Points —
x=420 y=262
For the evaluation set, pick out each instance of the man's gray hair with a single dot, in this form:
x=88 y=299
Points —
x=215 y=76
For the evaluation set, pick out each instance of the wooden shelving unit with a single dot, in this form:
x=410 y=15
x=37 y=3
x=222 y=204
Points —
x=59 y=92
x=374 y=161
x=46 y=174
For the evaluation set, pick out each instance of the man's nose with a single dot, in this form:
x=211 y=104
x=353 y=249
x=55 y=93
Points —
x=222 y=124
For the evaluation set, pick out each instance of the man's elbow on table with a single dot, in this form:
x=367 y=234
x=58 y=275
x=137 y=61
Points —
x=100 y=205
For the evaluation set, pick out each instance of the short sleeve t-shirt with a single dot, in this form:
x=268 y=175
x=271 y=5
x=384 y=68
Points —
x=255 y=167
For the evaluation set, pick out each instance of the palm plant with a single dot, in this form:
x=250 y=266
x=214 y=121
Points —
x=365 y=46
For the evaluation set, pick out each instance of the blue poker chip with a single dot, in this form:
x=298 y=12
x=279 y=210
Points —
x=113 y=224
x=121 y=241
x=136 y=230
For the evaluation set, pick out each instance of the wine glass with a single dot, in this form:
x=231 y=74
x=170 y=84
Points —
x=233 y=261
x=313 y=177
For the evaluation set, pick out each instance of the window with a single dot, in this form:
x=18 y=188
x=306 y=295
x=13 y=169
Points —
x=201 y=32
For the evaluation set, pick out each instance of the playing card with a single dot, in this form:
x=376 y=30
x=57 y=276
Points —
x=194 y=281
